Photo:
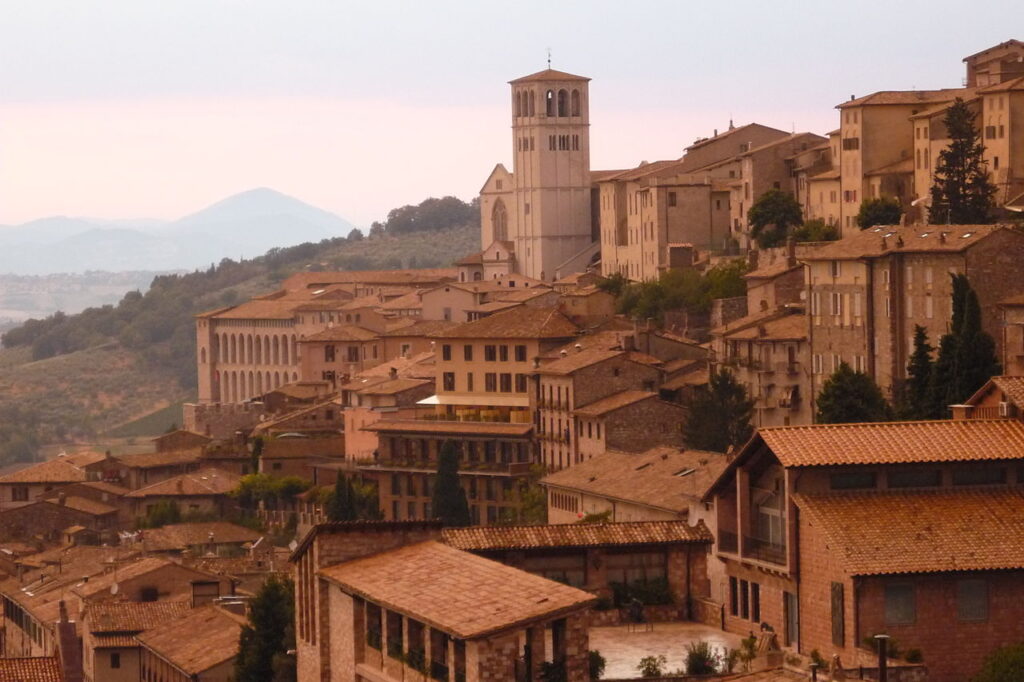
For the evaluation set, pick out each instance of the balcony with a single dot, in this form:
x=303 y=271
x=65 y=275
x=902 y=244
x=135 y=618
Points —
x=728 y=542
x=764 y=550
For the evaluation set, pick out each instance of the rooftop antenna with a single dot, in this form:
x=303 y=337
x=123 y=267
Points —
x=549 y=57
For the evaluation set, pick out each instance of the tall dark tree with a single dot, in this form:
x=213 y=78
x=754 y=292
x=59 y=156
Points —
x=850 y=396
x=916 y=402
x=449 y=501
x=962 y=194
x=772 y=215
x=341 y=505
x=719 y=417
x=270 y=634
x=881 y=211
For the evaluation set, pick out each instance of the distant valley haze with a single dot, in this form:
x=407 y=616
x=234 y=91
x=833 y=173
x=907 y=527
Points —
x=243 y=225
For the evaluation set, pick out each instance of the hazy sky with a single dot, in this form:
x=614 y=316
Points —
x=155 y=108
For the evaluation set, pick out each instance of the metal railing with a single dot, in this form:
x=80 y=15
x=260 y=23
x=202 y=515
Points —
x=764 y=550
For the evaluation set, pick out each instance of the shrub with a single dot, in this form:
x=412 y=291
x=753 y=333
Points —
x=914 y=656
x=596 y=663
x=652 y=666
x=701 y=658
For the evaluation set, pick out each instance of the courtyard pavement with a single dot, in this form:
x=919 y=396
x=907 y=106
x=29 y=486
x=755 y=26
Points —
x=623 y=649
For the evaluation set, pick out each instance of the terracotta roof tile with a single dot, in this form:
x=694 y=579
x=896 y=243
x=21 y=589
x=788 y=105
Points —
x=549 y=75
x=50 y=471
x=921 y=532
x=31 y=669
x=149 y=460
x=197 y=641
x=1013 y=387
x=614 y=402
x=483 y=538
x=455 y=427
x=135 y=569
x=576 y=360
x=83 y=504
x=788 y=327
x=106 y=487
x=460 y=593
x=102 y=640
x=205 y=481
x=343 y=332
x=896 y=442
x=520 y=323
x=393 y=386
x=84 y=459
x=420 y=328
x=666 y=478
x=915 y=239
x=307 y=280
x=131 y=617
x=907 y=97
x=183 y=535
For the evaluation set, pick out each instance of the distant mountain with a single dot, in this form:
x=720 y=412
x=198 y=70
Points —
x=247 y=224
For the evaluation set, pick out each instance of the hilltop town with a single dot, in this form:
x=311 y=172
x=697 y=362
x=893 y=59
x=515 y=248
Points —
x=752 y=412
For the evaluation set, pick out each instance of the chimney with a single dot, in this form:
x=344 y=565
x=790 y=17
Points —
x=69 y=648
x=393 y=373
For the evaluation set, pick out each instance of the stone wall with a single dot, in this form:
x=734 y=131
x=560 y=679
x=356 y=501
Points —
x=220 y=421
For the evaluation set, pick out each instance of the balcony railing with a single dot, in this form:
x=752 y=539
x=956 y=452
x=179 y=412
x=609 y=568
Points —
x=764 y=550
x=728 y=542
x=438 y=671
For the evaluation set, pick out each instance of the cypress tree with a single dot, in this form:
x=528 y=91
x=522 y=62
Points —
x=269 y=635
x=916 y=391
x=341 y=506
x=719 y=417
x=849 y=396
x=449 y=500
x=962 y=194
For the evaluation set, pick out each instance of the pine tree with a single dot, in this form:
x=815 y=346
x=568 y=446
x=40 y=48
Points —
x=962 y=194
x=341 y=506
x=265 y=641
x=849 y=396
x=719 y=417
x=449 y=500
x=916 y=391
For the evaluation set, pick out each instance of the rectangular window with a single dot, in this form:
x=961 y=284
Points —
x=19 y=493
x=755 y=602
x=115 y=660
x=900 y=604
x=744 y=599
x=816 y=364
x=910 y=478
x=838 y=630
x=979 y=476
x=467 y=352
x=972 y=599
x=835 y=268
x=469 y=381
x=852 y=480
x=929 y=307
x=503 y=353
x=448 y=381
x=491 y=382
x=734 y=604
x=671 y=198
x=329 y=353
x=490 y=353
x=520 y=353
x=446 y=352
x=837 y=304
x=521 y=386
x=505 y=382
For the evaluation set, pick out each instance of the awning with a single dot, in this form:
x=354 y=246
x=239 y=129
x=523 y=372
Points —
x=477 y=400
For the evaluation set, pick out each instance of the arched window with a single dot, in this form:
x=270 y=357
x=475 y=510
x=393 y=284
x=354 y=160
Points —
x=499 y=220
x=575 y=102
x=519 y=104
x=234 y=387
x=284 y=350
x=266 y=350
x=259 y=383
x=259 y=350
x=531 y=110
x=549 y=100
x=295 y=351
x=277 y=379
x=248 y=349
x=563 y=103
x=234 y=348
x=277 y=351
x=202 y=356
x=216 y=386
x=295 y=376
x=251 y=386
x=477 y=276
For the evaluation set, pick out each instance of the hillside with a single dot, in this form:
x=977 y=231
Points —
x=70 y=377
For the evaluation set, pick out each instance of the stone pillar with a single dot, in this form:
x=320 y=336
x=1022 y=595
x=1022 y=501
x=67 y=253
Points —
x=577 y=648
x=536 y=644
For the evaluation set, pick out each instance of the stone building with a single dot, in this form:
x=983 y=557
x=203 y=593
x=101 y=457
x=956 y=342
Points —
x=630 y=420
x=867 y=292
x=49 y=519
x=834 y=533
x=110 y=652
x=204 y=491
x=387 y=601
x=25 y=486
x=197 y=646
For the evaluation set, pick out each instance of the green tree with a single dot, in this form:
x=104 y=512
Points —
x=1002 y=665
x=160 y=514
x=850 y=396
x=962 y=194
x=881 y=211
x=719 y=418
x=355 y=235
x=815 y=231
x=916 y=403
x=449 y=501
x=269 y=635
x=772 y=215
x=341 y=506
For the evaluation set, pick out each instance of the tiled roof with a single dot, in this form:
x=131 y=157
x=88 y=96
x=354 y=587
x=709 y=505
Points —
x=697 y=375
x=1013 y=387
x=104 y=640
x=307 y=280
x=125 y=617
x=135 y=569
x=150 y=460
x=666 y=477
x=205 y=481
x=459 y=593
x=183 y=535
x=106 y=487
x=549 y=75
x=614 y=402
x=343 y=332
x=1005 y=86
x=453 y=427
x=915 y=239
x=83 y=504
x=902 y=166
x=921 y=532
x=302 y=390
x=907 y=97
x=197 y=641
x=520 y=323
x=484 y=538
x=575 y=360
x=896 y=442
x=788 y=327
x=421 y=328
x=50 y=471
x=393 y=386
x=31 y=669
x=84 y=459
x=407 y=301
x=605 y=340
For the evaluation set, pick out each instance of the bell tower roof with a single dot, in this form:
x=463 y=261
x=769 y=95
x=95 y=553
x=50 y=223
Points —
x=549 y=75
